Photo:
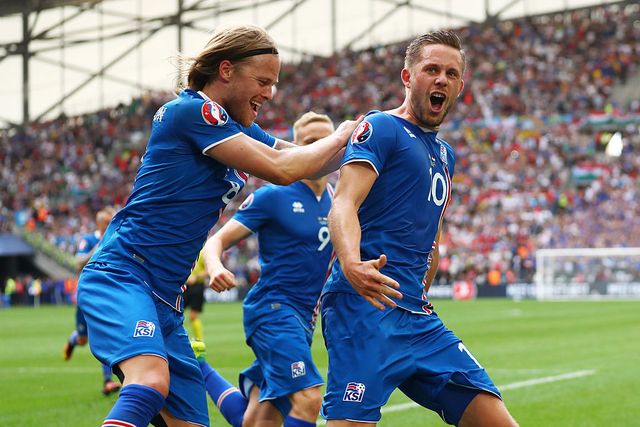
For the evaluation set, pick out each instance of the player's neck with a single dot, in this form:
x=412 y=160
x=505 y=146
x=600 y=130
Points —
x=215 y=91
x=405 y=112
x=316 y=185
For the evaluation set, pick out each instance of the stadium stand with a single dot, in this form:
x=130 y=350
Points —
x=529 y=132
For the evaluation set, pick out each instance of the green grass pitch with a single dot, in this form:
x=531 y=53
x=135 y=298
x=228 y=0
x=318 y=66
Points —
x=558 y=363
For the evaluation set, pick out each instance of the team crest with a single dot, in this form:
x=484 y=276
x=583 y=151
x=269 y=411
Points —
x=144 y=328
x=247 y=202
x=443 y=153
x=214 y=114
x=362 y=133
x=298 y=369
x=354 y=392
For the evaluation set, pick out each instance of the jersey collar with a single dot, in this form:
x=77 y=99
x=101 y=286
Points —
x=424 y=130
x=204 y=95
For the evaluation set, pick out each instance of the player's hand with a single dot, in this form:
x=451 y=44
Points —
x=346 y=128
x=375 y=287
x=221 y=279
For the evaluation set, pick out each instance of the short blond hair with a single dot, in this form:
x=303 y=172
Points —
x=105 y=214
x=310 y=117
x=443 y=37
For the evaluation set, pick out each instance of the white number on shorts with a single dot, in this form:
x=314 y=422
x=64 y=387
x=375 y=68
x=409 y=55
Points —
x=323 y=236
x=461 y=347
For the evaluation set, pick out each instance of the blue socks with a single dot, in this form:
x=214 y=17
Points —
x=290 y=421
x=106 y=372
x=231 y=403
x=135 y=407
x=227 y=398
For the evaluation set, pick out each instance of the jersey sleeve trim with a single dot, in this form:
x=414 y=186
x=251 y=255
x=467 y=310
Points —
x=243 y=224
x=359 y=161
x=204 y=151
x=275 y=144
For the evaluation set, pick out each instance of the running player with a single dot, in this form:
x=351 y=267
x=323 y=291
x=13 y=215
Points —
x=202 y=145
x=194 y=297
x=283 y=384
x=394 y=187
x=86 y=247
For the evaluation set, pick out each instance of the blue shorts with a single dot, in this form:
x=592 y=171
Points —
x=125 y=319
x=373 y=352
x=283 y=366
x=81 y=323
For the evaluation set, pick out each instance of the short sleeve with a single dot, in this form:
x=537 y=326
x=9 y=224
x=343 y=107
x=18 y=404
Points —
x=204 y=123
x=84 y=246
x=255 y=211
x=257 y=133
x=373 y=141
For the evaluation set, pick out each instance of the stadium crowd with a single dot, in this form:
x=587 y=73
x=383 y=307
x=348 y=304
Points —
x=531 y=170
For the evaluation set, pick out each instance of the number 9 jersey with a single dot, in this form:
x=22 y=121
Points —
x=401 y=214
x=294 y=248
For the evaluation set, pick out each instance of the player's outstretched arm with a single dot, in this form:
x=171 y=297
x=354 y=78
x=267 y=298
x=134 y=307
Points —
x=282 y=166
x=330 y=166
x=356 y=180
x=221 y=279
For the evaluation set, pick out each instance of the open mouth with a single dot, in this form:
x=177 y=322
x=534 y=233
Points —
x=437 y=101
x=255 y=106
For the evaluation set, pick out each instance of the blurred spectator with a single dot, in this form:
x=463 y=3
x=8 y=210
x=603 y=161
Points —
x=530 y=174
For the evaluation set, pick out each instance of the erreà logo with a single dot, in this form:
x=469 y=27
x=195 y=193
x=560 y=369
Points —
x=362 y=133
x=214 y=114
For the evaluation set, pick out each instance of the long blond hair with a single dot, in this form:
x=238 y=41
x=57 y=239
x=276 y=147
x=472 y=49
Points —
x=236 y=44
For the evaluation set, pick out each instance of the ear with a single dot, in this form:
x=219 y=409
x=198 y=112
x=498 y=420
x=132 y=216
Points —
x=405 y=74
x=461 y=88
x=225 y=70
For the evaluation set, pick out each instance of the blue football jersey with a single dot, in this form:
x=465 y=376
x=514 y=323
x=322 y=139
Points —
x=177 y=196
x=401 y=213
x=87 y=243
x=294 y=248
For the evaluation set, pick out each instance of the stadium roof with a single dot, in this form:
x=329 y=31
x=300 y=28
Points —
x=11 y=245
x=84 y=55
x=8 y=7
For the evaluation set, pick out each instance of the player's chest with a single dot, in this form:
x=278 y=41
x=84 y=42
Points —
x=424 y=166
x=303 y=217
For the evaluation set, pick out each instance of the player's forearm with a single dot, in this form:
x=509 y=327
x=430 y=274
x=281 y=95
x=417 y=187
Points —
x=344 y=229
x=212 y=253
x=310 y=161
x=332 y=165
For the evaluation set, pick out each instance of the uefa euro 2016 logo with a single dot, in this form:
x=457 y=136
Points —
x=362 y=133
x=144 y=328
x=354 y=392
x=214 y=114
